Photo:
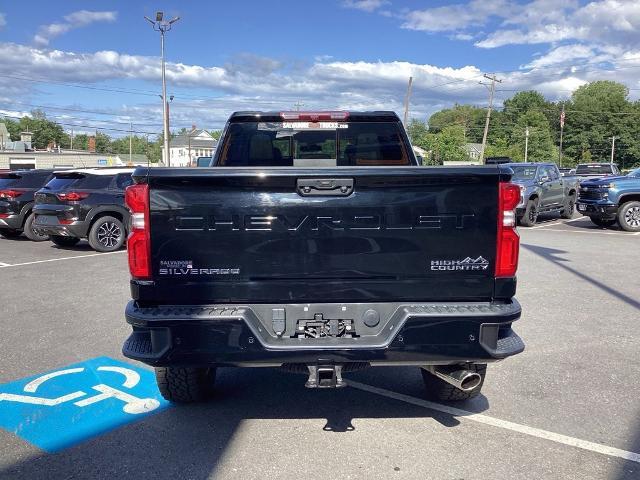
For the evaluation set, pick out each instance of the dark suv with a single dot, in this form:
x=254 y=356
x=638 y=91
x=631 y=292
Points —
x=86 y=203
x=17 y=190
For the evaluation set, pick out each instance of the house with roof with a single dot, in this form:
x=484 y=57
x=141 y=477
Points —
x=185 y=148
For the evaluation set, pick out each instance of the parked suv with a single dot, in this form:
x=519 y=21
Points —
x=543 y=189
x=606 y=200
x=86 y=203
x=17 y=190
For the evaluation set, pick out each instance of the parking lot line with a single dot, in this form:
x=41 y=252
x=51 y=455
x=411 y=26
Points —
x=595 y=232
x=7 y=265
x=546 y=225
x=504 y=424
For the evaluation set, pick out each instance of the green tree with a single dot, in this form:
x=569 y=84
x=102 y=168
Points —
x=541 y=147
x=597 y=112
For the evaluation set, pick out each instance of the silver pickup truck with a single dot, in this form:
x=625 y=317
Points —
x=542 y=190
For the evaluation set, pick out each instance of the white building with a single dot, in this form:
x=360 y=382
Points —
x=186 y=148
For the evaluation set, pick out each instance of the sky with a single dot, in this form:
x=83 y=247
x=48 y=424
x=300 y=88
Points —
x=95 y=64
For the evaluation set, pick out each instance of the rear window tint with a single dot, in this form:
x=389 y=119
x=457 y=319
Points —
x=307 y=144
x=26 y=180
x=89 y=182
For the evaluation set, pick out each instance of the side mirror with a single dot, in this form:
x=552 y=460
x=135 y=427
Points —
x=545 y=179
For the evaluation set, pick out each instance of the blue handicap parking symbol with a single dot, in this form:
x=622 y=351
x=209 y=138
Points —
x=58 y=409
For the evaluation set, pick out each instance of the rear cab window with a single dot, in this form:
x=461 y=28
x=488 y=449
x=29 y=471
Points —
x=319 y=143
x=593 y=169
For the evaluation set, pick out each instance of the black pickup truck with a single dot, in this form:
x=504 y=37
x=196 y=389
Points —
x=317 y=244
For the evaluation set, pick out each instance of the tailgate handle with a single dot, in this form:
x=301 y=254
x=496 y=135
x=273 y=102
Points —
x=313 y=187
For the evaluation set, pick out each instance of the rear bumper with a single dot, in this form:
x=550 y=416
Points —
x=13 y=221
x=50 y=224
x=244 y=335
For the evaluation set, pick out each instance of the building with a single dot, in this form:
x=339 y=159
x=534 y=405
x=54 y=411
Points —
x=473 y=151
x=186 y=148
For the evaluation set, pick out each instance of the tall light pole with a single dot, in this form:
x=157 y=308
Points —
x=163 y=26
x=526 y=144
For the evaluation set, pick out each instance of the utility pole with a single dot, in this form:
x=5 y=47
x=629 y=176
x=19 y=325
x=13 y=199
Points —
x=492 y=89
x=526 y=144
x=561 y=132
x=130 y=143
x=71 y=146
x=407 y=99
x=613 y=148
x=162 y=26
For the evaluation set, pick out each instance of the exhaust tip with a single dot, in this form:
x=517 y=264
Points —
x=470 y=381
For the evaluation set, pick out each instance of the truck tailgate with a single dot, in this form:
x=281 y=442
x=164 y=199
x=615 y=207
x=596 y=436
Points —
x=234 y=235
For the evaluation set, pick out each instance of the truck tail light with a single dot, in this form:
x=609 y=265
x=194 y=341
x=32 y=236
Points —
x=72 y=196
x=314 y=116
x=10 y=193
x=508 y=240
x=138 y=242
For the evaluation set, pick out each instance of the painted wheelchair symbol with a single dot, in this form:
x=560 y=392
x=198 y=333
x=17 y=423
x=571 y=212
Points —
x=132 y=404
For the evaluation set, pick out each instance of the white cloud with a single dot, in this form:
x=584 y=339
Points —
x=457 y=16
x=73 y=20
x=249 y=82
x=3 y=20
x=365 y=5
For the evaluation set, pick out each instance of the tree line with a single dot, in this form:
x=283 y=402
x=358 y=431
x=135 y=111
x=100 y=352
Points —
x=46 y=132
x=594 y=114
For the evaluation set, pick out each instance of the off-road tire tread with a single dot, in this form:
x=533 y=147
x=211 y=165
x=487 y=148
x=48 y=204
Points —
x=185 y=384
x=439 y=390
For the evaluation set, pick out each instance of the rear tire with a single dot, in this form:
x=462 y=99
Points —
x=530 y=213
x=32 y=234
x=185 y=385
x=107 y=234
x=601 y=222
x=629 y=216
x=570 y=208
x=10 y=233
x=61 y=241
x=437 y=389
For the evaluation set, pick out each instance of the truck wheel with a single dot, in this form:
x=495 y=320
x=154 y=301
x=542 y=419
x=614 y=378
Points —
x=569 y=208
x=31 y=233
x=601 y=222
x=440 y=390
x=530 y=213
x=107 y=234
x=629 y=216
x=64 y=241
x=10 y=233
x=185 y=385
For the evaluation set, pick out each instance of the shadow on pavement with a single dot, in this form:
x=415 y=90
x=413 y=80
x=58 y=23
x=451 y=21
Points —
x=553 y=255
x=190 y=441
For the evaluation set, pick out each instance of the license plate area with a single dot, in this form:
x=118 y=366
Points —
x=320 y=327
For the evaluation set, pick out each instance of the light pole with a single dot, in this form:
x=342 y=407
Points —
x=526 y=144
x=163 y=26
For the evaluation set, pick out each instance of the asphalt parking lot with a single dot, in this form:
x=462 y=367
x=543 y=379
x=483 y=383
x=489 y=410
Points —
x=568 y=407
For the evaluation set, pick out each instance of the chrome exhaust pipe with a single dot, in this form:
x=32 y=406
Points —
x=464 y=380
